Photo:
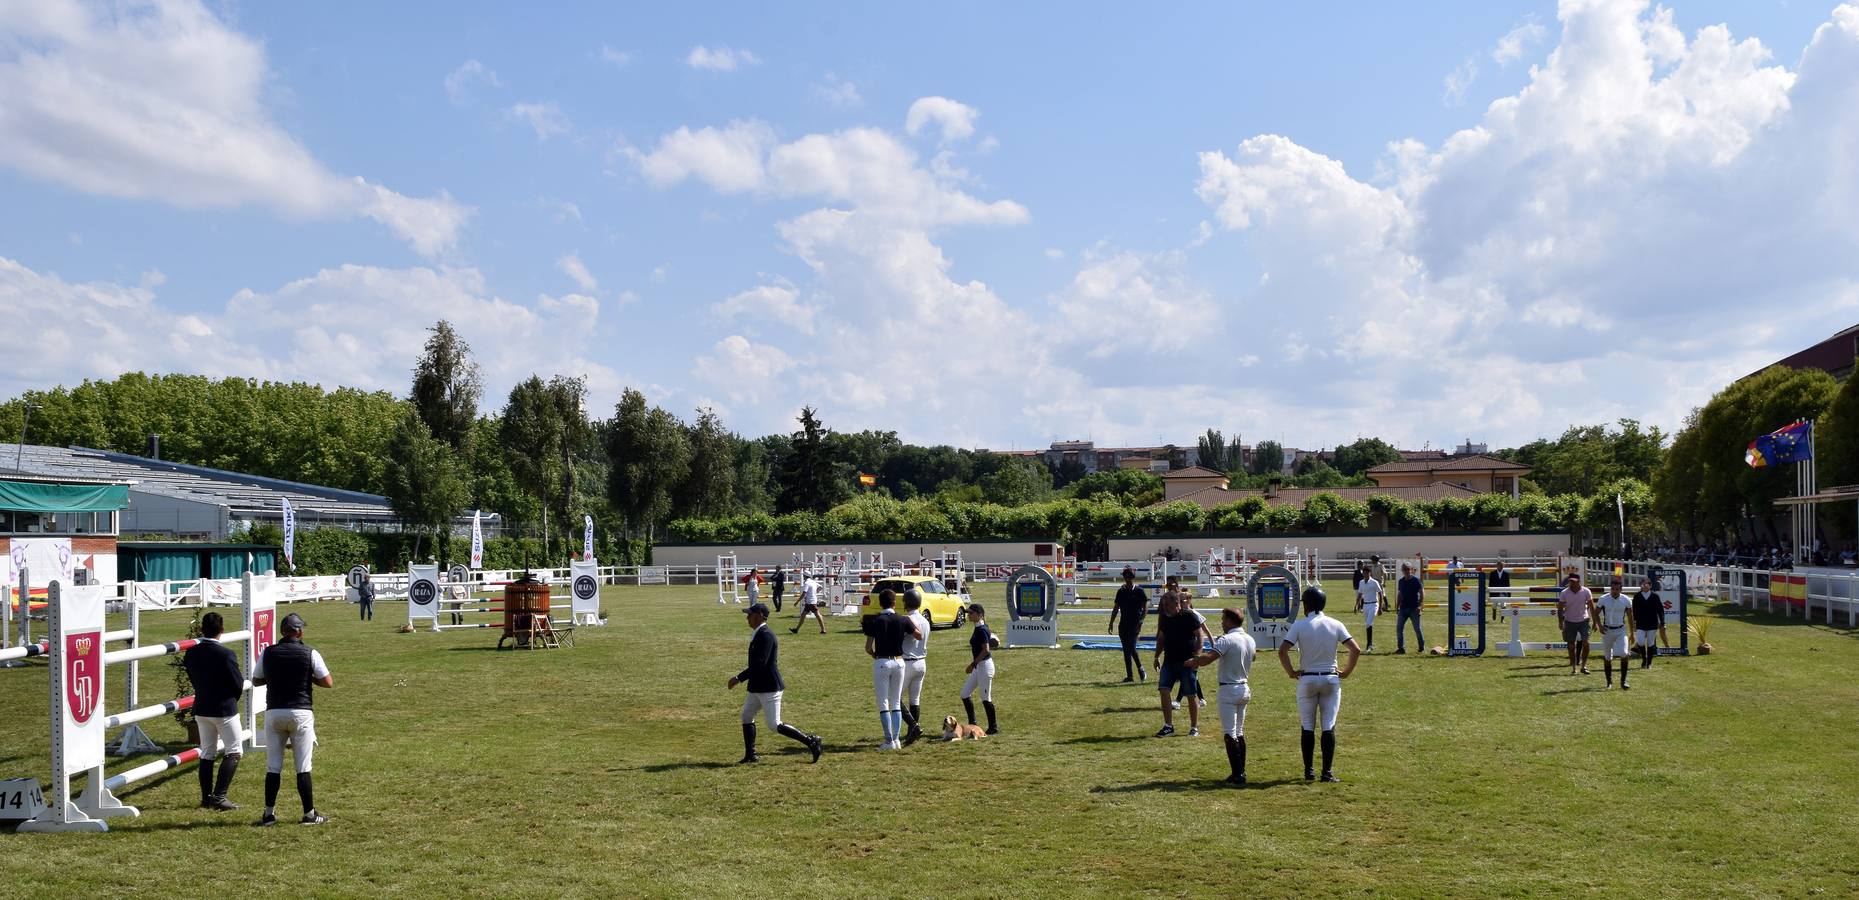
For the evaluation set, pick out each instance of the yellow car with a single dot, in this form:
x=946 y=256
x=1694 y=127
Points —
x=942 y=608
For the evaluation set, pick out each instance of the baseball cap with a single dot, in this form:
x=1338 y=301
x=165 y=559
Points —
x=756 y=608
x=292 y=622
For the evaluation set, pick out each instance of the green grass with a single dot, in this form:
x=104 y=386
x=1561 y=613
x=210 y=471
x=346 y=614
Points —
x=607 y=770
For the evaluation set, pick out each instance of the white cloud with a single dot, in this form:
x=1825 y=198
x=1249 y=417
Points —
x=837 y=92
x=1459 y=80
x=744 y=371
x=728 y=159
x=545 y=119
x=1054 y=253
x=778 y=302
x=164 y=102
x=719 y=59
x=614 y=57
x=576 y=271
x=956 y=120
x=1518 y=41
x=459 y=82
x=1124 y=287
x=1547 y=264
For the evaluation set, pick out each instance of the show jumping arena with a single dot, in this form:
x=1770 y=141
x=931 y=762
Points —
x=449 y=768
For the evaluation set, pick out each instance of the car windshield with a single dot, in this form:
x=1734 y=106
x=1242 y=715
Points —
x=895 y=587
x=930 y=587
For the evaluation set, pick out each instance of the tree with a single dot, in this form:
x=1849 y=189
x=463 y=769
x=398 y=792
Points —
x=543 y=427
x=709 y=486
x=1722 y=488
x=1363 y=455
x=425 y=484
x=649 y=454
x=1019 y=480
x=1212 y=450
x=446 y=386
x=811 y=478
x=1268 y=458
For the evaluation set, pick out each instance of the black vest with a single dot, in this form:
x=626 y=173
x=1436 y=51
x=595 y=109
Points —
x=287 y=675
x=214 y=671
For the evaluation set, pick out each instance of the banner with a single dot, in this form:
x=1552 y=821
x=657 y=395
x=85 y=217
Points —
x=423 y=593
x=584 y=584
x=587 y=537
x=47 y=559
x=259 y=595
x=477 y=541
x=290 y=534
x=77 y=682
x=1788 y=444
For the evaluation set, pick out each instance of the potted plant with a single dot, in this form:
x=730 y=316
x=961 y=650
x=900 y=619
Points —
x=184 y=686
x=1700 y=627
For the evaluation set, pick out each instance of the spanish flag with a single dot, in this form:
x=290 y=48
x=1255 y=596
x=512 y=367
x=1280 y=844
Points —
x=867 y=480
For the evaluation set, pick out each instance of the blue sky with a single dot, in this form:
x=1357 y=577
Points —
x=974 y=224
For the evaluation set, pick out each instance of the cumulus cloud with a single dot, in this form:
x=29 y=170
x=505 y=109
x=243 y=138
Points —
x=460 y=81
x=545 y=119
x=719 y=59
x=837 y=92
x=613 y=57
x=776 y=302
x=1516 y=42
x=165 y=102
x=955 y=120
x=1585 y=250
x=1127 y=287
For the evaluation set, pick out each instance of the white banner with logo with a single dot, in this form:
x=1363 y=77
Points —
x=261 y=619
x=587 y=537
x=77 y=683
x=46 y=559
x=423 y=593
x=290 y=533
x=477 y=541
x=584 y=585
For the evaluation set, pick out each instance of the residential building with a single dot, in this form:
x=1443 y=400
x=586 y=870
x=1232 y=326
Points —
x=1479 y=473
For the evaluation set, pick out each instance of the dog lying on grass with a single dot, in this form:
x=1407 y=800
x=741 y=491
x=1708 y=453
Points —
x=960 y=731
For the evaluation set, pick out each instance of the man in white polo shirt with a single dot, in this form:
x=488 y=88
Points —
x=1319 y=681
x=916 y=649
x=1368 y=602
x=1235 y=650
x=1615 y=612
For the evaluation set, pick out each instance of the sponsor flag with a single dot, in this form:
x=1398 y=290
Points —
x=1790 y=443
x=477 y=541
x=587 y=537
x=290 y=534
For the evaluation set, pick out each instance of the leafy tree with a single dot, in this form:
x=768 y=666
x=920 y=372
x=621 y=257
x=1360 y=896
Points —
x=447 y=386
x=709 y=486
x=1129 y=487
x=1216 y=453
x=1726 y=489
x=1268 y=458
x=1067 y=471
x=543 y=426
x=1018 y=480
x=649 y=455
x=1363 y=455
x=425 y=484
x=812 y=478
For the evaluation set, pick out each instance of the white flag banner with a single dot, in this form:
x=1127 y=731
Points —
x=477 y=541
x=587 y=537
x=423 y=593
x=584 y=584
x=290 y=534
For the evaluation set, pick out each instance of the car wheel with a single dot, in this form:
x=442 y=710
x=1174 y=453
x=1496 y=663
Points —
x=961 y=616
x=929 y=618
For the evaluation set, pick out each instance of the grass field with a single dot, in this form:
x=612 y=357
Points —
x=608 y=770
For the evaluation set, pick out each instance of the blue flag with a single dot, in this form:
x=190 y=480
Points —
x=1792 y=443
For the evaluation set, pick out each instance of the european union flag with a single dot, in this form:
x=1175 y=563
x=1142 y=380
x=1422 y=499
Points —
x=1792 y=443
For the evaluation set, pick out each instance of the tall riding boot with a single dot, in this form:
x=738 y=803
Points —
x=792 y=733
x=992 y=728
x=1236 y=759
x=1308 y=743
x=227 y=766
x=1371 y=635
x=206 y=782
x=1607 y=665
x=748 y=743
x=915 y=731
x=1329 y=754
x=968 y=704
x=305 y=794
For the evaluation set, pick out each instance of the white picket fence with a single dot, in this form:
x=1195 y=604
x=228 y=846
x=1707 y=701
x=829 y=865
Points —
x=1829 y=592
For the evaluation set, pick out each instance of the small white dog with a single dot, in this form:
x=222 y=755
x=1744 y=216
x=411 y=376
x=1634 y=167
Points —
x=960 y=731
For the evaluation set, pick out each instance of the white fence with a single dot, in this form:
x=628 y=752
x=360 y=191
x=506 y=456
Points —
x=1787 y=592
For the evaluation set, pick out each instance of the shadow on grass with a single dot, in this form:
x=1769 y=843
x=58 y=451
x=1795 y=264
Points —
x=164 y=778
x=222 y=820
x=1107 y=739
x=681 y=766
x=1578 y=689
x=472 y=649
x=1128 y=709
x=1192 y=784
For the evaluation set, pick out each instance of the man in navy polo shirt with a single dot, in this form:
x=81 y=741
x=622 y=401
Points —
x=288 y=670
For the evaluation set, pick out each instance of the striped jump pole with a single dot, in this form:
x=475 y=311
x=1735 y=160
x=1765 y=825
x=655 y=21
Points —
x=138 y=773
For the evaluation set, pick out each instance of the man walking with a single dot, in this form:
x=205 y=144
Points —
x=289 y=670
x=365 y=594
x=1614 y=611
x=916 y=652
x=884 y=643
x=1235 y=650
x=1368 y=602
x=1177 y=640
x=1648 y=622
x=1319 y=681
x=1131 y=607
x=809 y=604
x=763 y=677
x=218 y=684
x=779 y=582
x=1410 y=594
x=752 y=584
x=1575 y=609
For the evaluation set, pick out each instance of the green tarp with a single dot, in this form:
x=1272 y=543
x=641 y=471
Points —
x=228 y=563
x=34 y=496
x=178 y=565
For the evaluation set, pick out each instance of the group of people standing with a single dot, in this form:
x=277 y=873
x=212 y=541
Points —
x=1633 y=625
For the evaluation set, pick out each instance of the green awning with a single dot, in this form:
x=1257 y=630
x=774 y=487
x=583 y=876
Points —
x=35 y=496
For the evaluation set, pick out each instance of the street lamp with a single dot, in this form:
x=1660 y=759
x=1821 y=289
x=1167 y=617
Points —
x=19 y=453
